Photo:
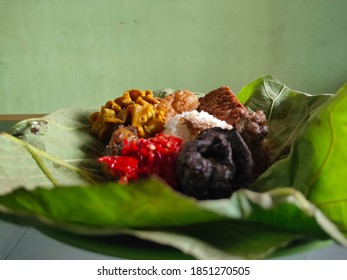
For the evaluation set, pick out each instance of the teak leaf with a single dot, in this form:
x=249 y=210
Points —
x=287 y=110
x=52 y=151
x=316 y=165
x=49 y=178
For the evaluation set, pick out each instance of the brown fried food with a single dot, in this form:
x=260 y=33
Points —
x=121 y=133
x=224 y=105
x=136 y=108
x=178 y=102
x=221 y=103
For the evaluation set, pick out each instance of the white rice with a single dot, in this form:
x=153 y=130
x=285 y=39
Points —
x=189 y=124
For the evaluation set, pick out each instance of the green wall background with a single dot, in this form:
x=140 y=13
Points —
x=80 y=53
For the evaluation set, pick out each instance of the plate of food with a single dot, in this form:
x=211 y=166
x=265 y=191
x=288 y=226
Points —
x=212 y=175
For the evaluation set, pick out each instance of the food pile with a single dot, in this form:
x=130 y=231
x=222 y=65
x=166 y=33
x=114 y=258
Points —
x=205 y=147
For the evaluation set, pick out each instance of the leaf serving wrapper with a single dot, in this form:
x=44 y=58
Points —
x=251 y=224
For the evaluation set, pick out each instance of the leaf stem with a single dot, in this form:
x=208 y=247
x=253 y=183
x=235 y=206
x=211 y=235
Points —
x=273 y=100
x=35 y=152
x=330 y=147
x=41 y=164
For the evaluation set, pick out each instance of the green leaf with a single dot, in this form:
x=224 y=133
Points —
x=151 y=210
x=52 y=151
x=143 y=203
x=316 y=165
x=287 y=110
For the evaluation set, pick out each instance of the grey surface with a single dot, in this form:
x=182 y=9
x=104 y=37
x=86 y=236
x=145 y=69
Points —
x=10 y=235
x=26 y=243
